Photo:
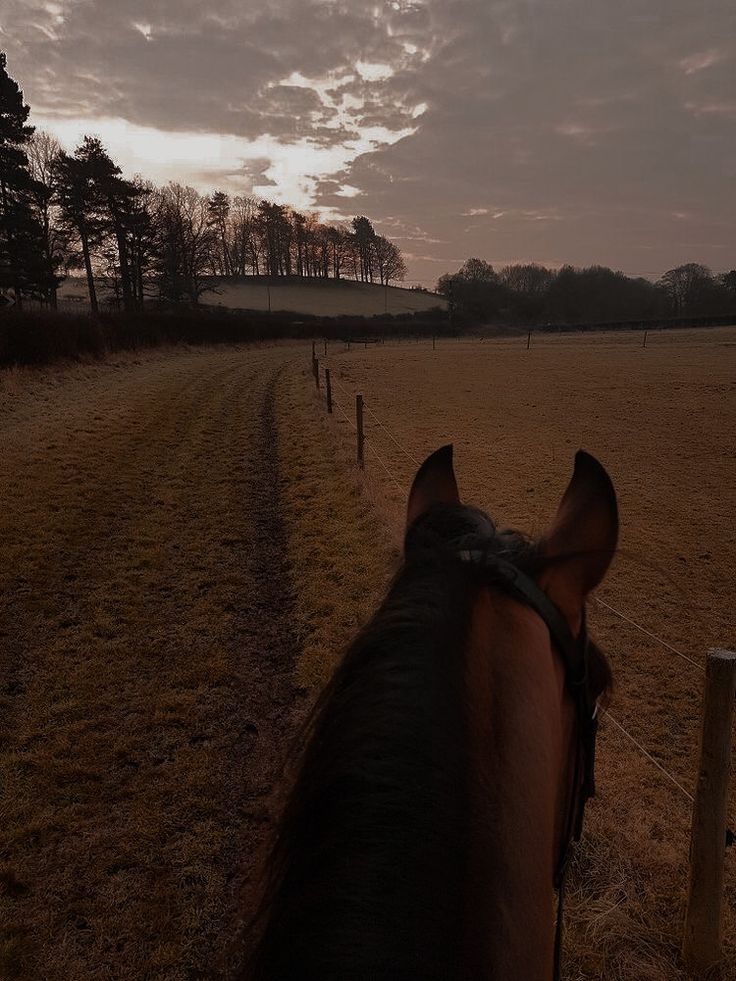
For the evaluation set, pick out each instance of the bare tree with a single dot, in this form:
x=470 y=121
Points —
x=389 y=260
x=43 y=152
x=685 y=285
x=529 y=278
x=339 y=239
x=185 y=243
x=243 y=233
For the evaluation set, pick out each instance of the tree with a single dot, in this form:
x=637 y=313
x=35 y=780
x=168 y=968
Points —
x=529 y=279
x=364 y=236
x=477 y=271
x=21 y=264
x=43 y=152
x=339 y=239
x=389 y=260
x=686 y=286
x=142 y=237
x=218 y=210
x=474 y=290
x=184 y=243
x=82 y=206
x=728 y=281
x=245 y=249
x=276 y=233
x=117 y=197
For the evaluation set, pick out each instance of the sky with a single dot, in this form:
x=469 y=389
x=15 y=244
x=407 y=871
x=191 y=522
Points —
x=551 y=131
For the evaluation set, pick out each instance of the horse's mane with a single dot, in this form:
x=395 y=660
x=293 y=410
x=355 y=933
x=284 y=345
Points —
x=366 y=871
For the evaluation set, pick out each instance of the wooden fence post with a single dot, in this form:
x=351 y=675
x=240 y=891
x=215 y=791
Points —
x=702 y=940
x=359 y=425
x=434 y=346
x=325 y=347
x=329 y=390
x=645 y=338
x=314 y=351
x=316 y=371
x=528 y=340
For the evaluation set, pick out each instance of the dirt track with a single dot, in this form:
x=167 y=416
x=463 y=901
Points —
x=146 y=660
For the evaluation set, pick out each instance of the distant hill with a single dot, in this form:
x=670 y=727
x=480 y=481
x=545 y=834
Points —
x=319 y=297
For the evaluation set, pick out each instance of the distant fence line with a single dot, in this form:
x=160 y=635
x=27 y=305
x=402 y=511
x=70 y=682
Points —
x=710 y=835
x=661 y=323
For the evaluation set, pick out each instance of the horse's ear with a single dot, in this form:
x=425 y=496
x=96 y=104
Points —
x=581 y=543
x=434 y=484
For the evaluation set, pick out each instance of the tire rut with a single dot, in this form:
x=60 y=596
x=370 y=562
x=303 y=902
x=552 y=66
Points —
x=269 y=653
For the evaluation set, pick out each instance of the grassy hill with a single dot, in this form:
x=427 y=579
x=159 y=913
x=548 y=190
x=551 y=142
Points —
x=325 y=298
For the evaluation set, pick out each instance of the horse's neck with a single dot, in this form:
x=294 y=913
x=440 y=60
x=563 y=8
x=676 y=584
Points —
x=517 y=739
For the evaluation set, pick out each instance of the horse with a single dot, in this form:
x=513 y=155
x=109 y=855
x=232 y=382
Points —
x=448 y=760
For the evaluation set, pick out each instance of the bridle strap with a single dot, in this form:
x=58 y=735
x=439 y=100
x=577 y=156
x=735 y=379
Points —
x=517 y=582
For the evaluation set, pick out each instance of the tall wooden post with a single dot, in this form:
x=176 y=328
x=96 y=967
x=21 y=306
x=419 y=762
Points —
x=325 y=347
x=328 y=385
x=434 y=345
x=316 y=371
x=702 y=940
x=528 y=340
x=314 y=351
x=359 y=426
x=645 y=338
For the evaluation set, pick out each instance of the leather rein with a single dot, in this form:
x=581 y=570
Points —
x=574 y=652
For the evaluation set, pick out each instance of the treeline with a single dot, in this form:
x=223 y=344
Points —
x=63 y=211
x=533 y=294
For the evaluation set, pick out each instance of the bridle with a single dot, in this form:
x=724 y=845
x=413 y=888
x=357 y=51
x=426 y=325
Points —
x=575 y=654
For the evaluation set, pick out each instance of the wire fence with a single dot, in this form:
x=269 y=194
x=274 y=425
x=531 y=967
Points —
x=707 y=810
x=644 y=752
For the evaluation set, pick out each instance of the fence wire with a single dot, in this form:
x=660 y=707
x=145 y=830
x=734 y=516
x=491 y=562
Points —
x=621 y=728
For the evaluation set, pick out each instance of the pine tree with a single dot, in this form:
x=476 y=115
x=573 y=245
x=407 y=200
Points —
x=96 y=202
x=218 y=210
x=21 y=265
x=81 y=210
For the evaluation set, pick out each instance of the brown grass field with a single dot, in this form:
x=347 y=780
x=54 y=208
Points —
x=185 y=547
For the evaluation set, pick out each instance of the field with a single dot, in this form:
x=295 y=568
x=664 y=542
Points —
x=168 y=525
x=330 y=299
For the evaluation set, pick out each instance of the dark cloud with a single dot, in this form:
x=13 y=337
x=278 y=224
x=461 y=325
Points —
x=554 y=130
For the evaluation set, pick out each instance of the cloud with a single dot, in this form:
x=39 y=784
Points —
x=572 y=130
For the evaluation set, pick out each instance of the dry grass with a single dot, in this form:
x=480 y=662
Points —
x=329 y=522
x=662 y=419
x=331 y=299
x=144 y=708
x=143 y=722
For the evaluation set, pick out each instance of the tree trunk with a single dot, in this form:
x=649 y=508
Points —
x=124 y=268
x=90 y=277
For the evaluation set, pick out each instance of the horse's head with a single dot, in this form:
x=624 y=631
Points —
x=448 y=754
x=534 y=585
